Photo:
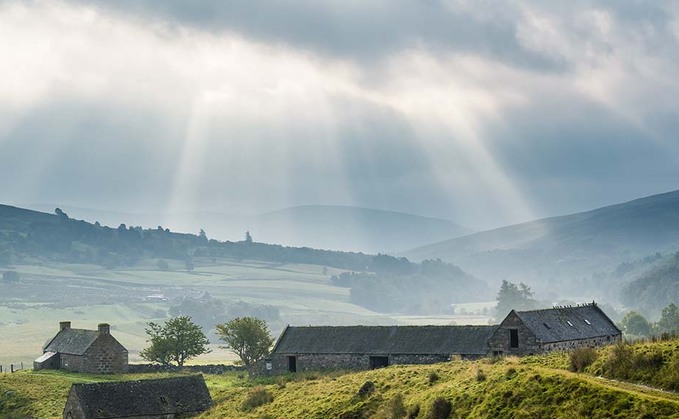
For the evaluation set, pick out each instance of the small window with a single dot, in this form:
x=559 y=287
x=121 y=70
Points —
x=513 y=338
x=569 y=323
x=587 y=321
x=547 y=326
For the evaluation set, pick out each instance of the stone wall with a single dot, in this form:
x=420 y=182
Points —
x=205 y=369
x=582 y=343
x=73 y=363
x=498 y=344
x=328 y=362
x=105 y=356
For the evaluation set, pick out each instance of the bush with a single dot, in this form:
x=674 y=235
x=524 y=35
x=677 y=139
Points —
x=433 y=377
x=581 y=358
x=257 y=397
x=480 y=375
x=366 y=389
x=440 y=409
x=394 y=409
x=414 y=412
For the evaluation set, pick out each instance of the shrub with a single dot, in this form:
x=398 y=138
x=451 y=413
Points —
x=480 y=375
x=440 y=409
x=433 y=377
x=394 y=409
x=581 y=358
x=366 y=389
x=414 y=412
x=257 y=397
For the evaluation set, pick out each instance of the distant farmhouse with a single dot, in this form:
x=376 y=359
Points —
x=161 y=398
x=554 y=329
x=368 y=347
x=80 y=350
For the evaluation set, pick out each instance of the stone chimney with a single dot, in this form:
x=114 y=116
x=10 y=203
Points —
x=64 y=325
x=104 y=329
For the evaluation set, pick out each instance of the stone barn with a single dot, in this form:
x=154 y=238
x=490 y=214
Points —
x=80 y=350
x=554 y=329
x=312 y=348
x=160 y=398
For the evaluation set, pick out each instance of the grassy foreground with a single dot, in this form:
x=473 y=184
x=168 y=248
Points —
x=532 y=387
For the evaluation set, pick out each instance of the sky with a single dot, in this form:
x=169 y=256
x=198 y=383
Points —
x=484 y=113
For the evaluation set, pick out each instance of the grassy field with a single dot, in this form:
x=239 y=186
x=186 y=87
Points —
x=531 y=387
x=89 y=294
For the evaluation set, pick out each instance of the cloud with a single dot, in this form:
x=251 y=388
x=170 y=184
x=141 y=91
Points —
x=482 y=114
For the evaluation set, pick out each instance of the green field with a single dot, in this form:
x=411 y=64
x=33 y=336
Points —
x=531 y=387
x=89 y=294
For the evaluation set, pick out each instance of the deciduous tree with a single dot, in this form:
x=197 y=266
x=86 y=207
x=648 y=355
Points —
x=247 y=337
x=178 y=340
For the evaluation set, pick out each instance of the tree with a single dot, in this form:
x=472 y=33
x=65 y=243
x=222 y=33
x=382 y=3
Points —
x=177 y=340
x=669 y=320
x=514 y=297
x=247 y=337
x=248 y=237
x=635 y=324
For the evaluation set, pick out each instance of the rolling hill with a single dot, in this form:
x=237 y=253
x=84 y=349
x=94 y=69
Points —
x=552 y=251
x=317 y=226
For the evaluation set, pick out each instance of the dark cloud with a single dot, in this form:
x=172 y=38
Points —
x=356 y=29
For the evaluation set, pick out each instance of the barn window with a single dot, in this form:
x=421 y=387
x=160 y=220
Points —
x=587 y=321
x=379 y=362
x=547 y=326
x=569 y=323
x=292 y=364
x=513 y=338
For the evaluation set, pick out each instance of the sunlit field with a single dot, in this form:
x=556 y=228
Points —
x=127 y=299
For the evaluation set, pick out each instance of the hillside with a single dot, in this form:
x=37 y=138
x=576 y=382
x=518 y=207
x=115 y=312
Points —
x=538 y=386
x=553 y=251
x=654 y=289
x=317 y=226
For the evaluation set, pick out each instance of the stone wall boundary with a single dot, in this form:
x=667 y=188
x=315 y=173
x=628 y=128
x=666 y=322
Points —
x=216 y=369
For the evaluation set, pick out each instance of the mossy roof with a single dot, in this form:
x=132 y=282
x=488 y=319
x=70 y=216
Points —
x=72 y=341
x=165 y=396
x=413 y=340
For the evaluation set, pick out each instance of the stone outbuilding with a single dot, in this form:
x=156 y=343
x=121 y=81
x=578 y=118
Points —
x=160 y=398
x=81 y=350
x=554 y=329
x=311 y=348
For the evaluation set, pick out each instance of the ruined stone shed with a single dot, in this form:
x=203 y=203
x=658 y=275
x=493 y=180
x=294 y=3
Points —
x=555 y=329
x=82 y=350
x=159 y=398
x=310 y=348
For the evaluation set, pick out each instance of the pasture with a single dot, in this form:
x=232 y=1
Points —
x=129 y=298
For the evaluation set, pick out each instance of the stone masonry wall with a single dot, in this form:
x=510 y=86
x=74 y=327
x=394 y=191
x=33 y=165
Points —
x=106 y=356
x=73 y=363
x=499 y=343
x=583 y=343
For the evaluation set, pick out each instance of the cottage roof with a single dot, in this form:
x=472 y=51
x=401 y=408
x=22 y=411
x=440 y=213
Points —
x=72 y=341
x=568 y=323
x=177 y=395
x=427 y=340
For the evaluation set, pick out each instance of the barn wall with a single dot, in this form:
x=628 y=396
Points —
x=105 y=356
x=352 y=362
x=75 y=363
x=499 y=342
x=582 y=343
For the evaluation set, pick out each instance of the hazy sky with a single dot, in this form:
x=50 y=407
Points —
x=481 y=112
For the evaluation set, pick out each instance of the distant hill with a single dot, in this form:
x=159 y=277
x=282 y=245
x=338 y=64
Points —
x=655 y=289
x=318 y=226
x=565 y=251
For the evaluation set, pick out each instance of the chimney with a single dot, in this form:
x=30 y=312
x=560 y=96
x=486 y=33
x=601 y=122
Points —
x=64 y=325
x=104 y=329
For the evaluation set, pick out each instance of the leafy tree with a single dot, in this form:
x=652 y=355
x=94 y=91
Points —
x=247 y=337
x=248 y=237
x=635 y=324
x=669 y=320
x=177 y=340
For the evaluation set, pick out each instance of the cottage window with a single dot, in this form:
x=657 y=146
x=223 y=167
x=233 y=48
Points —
x=587 y=321
x=569 y=323
x=513 y=338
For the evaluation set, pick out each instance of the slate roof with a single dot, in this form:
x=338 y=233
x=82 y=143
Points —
x=72 y=341
x=165 y=396
x=425 y=340
x=552 y=325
